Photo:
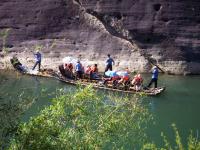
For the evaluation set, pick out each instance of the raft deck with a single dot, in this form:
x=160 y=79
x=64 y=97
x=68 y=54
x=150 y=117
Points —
x=97 y=85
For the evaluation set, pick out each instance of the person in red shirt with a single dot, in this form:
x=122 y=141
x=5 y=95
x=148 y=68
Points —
x=137 y=82
x=88 y=70
x=70 y=67
x=124 y=76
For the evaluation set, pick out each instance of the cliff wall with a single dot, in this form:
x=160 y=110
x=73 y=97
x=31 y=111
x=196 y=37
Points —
x=135 y=32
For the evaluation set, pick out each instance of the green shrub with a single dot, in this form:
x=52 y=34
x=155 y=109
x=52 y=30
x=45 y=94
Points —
x=85 y=120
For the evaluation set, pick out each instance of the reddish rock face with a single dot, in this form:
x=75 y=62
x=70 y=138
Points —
x=166 y=29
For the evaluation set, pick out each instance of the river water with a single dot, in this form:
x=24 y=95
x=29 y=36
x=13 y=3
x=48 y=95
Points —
x=24 y=96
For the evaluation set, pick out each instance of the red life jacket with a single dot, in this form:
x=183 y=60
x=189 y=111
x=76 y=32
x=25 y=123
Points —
x=70 y=66
x=138 y=80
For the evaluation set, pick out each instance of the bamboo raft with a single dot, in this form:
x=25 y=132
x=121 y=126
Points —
x=97 y=84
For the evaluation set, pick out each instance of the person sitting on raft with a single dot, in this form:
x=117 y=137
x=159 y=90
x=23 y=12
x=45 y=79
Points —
x=124 y=76
x=17 y=65
x=66 y=70
x=88 y=70
x=70 y=67
x=94 y=72
x=111 y=76
x=137 y=82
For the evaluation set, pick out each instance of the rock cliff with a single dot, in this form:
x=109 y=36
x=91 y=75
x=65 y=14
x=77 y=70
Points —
x=136 y=32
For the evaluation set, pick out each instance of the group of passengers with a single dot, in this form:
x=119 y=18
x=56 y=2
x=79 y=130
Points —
x=91 y=72
x=123 y=78
x=110 y=77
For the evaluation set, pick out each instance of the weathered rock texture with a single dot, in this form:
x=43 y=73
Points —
x=135 y=32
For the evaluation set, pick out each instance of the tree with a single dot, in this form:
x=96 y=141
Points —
x=85 y=120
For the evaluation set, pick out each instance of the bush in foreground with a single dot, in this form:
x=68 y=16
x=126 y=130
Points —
x=85 y=120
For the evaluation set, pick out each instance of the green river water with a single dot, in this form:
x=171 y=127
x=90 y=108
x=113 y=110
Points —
x=24 y=96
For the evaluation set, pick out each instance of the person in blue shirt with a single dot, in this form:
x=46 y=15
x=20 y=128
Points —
x=79 y=70
x=38 y=58
x=154 y=77
x=109 y=63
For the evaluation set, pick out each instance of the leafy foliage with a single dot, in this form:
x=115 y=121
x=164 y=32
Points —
x=193 y=143
x=85 y=120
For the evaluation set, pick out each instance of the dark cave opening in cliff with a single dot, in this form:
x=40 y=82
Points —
x=157 y=7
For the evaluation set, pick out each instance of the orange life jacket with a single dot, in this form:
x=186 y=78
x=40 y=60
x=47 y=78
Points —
x=126 y=78
x=138 y=80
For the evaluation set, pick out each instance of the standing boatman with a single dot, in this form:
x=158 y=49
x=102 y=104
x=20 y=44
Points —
x=109 y=63
x=38 y=58
x=154 y=77
x=79 y=70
